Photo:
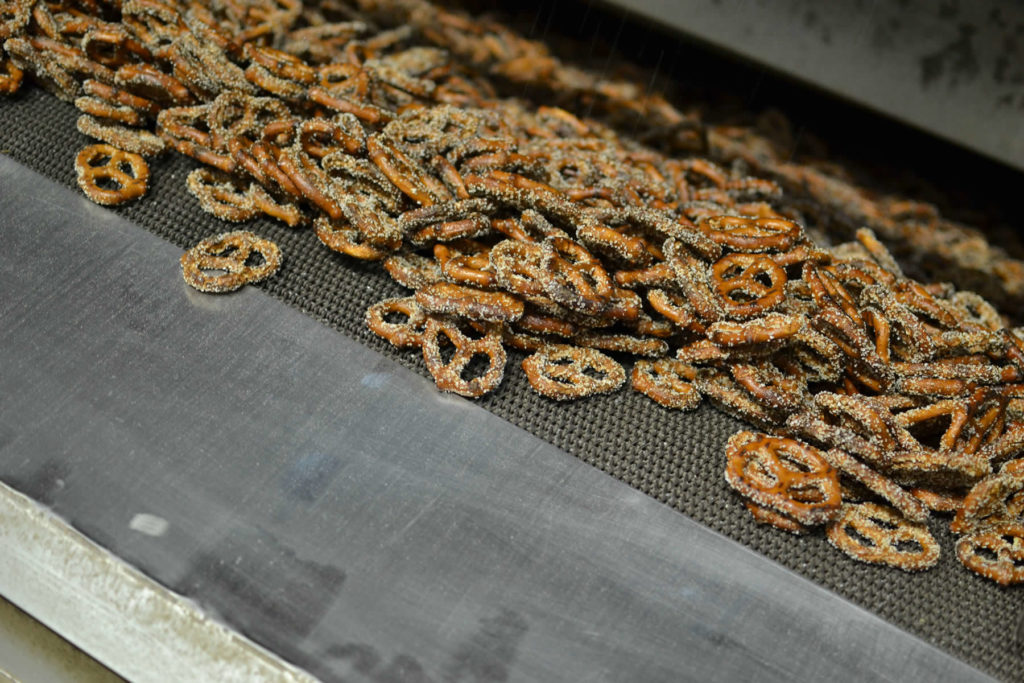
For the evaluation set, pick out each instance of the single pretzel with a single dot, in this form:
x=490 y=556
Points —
x=770 y=328
x=995 y=552
x=445 y=298
x=450 y=375
x=751 y=235
x=220 y=264
x=996 y=498
x=782 y=474
x=667 y=381
x=877 y=534
x=564 y=372
x=407 y=333
x=10 y=76
x=101 y=166
x=220 y=195
x=737 y=279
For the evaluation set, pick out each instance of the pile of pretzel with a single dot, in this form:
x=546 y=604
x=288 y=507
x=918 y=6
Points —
x=526 y=227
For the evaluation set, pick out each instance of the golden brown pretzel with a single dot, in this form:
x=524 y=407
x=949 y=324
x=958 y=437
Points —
x=100 y=166
x=667 y=381
x=995 y=552
x=407 y=333
x=564 y=372
x=219 y=264
x=751 y=235
x=445 y=298
x=784 y=475
x=877 y=534
x=450 y=375
x=736 y=279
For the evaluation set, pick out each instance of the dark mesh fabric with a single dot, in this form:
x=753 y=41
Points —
x=676 y=458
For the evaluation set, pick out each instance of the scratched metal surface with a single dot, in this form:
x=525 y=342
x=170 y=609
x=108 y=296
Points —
x=334 y=507
x=953 y=68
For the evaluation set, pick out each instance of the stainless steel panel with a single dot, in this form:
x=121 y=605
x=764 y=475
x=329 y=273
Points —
x=336 y=508
x=955 y=69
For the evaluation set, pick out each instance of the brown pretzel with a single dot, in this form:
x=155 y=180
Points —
x=100 y=166
x=10 y=75
x=784 y=475
x=134 y=140
x=220 y=263
x=400 y=321
x=667 y=381
x=995 y=499
x=995 y=552
x=564 y=372
x=877 y=534
x=451 y=375
x=763 y=515
x=751 y=235
x=221 y=195
x=346 y=239
x=773 y=327
x=904 y=501
x=737 y=281
x=445 y=298
x=412 y=270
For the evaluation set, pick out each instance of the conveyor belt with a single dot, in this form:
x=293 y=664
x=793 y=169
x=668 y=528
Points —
x=334 y=507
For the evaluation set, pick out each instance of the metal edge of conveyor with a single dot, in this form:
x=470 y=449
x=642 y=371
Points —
x=74 y=587
x=955 y=70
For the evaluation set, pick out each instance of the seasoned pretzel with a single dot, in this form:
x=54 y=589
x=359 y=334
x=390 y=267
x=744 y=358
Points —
x=220 y=263
x=346 y=239
x=995 y=552
x=751 y=235
x=995 y=499
x=564 y=372
x=877 y=534
x=784 y=475
x=412 y=270
x=450 y=375
x=221 y=195
x=667 y=381
x=445 y=298
x=404 y=332
x=770 y=328
x=905 y=502
x=101 y=166
x=10 y=75
x=737 y=280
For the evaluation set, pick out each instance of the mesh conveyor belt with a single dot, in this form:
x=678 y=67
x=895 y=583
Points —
x=674 y=458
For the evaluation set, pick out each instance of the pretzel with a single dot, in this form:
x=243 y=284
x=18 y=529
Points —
x=736 y=279
x=751 y=235
x=773 y=327
x=565 y=372
x=346 y=239
x=784 y=475
x=667 y=381
x=905 y=502
x=771 y=387
x=877 y=534
x=10 y=75
x=412 y=270
x=995 y=552
x=220 y=195
x=444 y=298
x=407 y=333
x=100 y=166
x=996 y=498
x=763 y=515
x=451 y=375
x=220 y=263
